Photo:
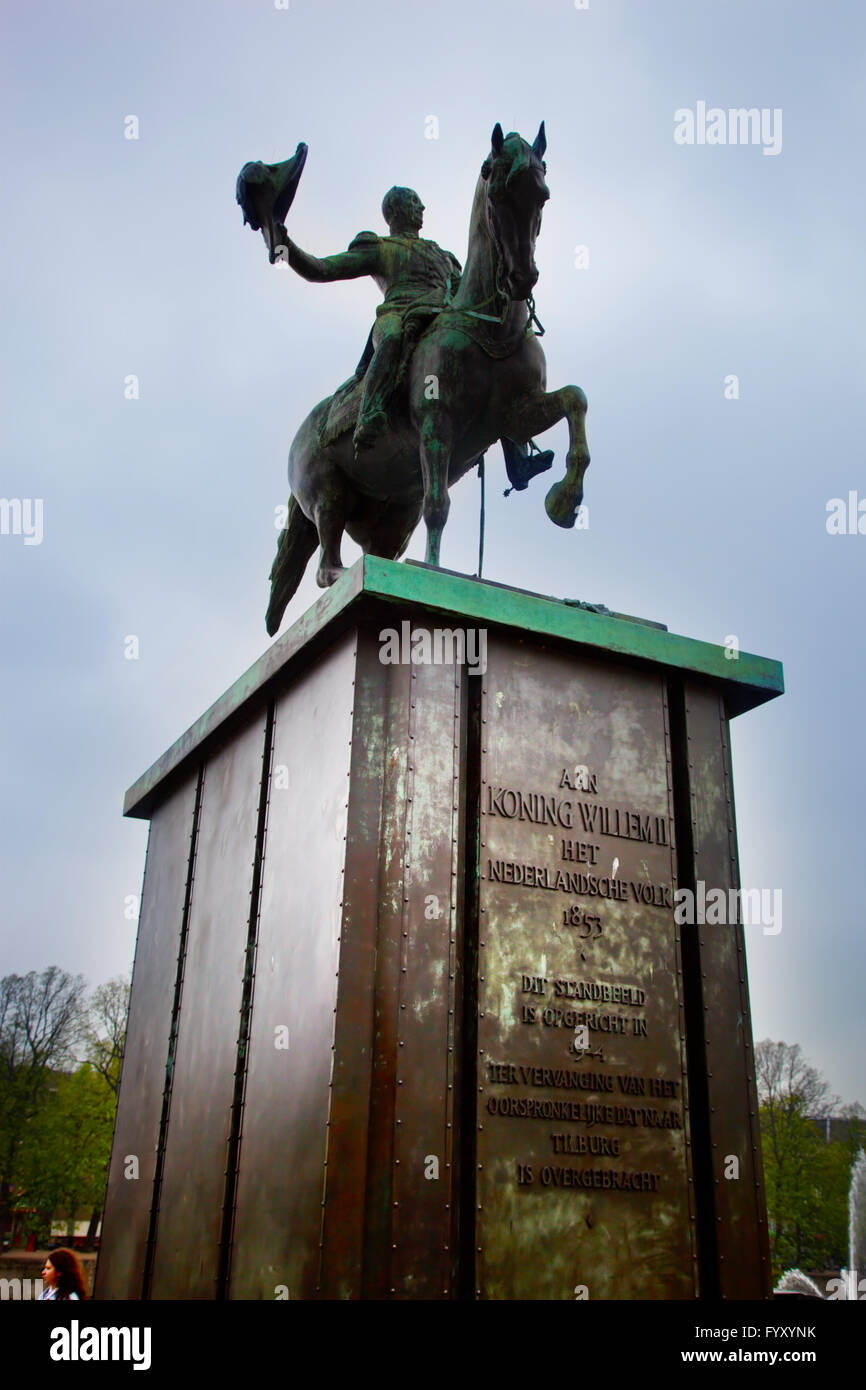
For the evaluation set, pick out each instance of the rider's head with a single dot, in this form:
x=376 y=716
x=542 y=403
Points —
x=403 y=210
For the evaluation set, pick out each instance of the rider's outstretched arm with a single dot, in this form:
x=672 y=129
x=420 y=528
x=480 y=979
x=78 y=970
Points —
x=360 y=259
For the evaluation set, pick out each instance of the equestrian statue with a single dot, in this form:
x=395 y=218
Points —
x=452 y=364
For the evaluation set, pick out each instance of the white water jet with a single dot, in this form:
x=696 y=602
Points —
x=857 y=1224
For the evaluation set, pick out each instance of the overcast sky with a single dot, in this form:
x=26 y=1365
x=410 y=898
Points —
x=128 y=257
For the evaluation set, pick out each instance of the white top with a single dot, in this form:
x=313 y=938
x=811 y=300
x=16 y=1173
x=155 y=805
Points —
x=52 y=1293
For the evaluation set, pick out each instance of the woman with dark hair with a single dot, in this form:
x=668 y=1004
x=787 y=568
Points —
x=63 y=1276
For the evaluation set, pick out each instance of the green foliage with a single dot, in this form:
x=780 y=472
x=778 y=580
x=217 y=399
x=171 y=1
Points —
x=39 y=1021
x=807 y=1194
x=56 y=1108
x=807 y=1179
x=63 y=1161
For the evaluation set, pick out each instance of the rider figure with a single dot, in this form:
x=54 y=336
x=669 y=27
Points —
x=414 y=275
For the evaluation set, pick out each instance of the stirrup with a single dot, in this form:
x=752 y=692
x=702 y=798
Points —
x=521 y=469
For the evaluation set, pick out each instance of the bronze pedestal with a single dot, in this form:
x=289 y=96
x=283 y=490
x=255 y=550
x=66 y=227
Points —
x=413 y=1014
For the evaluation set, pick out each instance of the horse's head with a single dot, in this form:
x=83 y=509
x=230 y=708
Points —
x=516 y=192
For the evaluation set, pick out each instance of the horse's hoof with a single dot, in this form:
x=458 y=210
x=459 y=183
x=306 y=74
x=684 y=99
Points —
x=326 y=575
x=561 y=505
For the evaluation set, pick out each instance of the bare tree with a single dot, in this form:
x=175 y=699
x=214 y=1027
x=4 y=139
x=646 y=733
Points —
x=104 y=1030
x=788 y=1085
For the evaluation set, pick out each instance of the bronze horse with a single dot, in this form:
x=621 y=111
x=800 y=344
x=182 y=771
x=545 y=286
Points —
x=476 y=375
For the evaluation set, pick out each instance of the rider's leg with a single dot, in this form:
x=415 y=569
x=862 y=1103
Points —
x=379 y=380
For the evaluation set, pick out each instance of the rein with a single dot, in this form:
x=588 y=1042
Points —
x=496 y=266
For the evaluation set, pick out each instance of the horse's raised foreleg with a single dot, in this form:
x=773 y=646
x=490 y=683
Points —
x=532 y=415
x=435 y=440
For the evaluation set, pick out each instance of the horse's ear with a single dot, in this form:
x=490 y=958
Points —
x=497 y=139
x=539 y=144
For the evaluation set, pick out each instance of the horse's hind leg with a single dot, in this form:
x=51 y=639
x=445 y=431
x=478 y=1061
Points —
x=330 y=519
x=330 y=502
x=535 y=414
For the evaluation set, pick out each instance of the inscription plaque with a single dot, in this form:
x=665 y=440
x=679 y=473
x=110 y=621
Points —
x=582 y=1148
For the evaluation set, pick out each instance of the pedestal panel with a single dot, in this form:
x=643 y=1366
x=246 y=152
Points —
x=583 y=1167
x=186 y=1259
x=120 y=1270
x=283 y=1156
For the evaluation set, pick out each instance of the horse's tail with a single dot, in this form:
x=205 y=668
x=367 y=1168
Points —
x=298 y=541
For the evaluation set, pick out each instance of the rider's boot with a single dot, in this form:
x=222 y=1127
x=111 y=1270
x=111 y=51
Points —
x=371 y=424
x=522 y=465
